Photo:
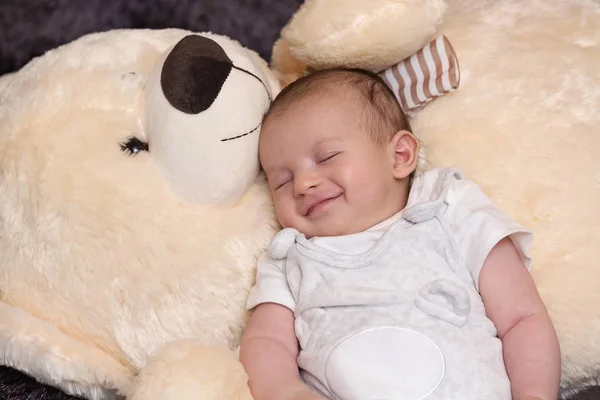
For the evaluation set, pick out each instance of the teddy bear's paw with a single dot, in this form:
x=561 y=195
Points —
x=187 y=369
x=372 y=34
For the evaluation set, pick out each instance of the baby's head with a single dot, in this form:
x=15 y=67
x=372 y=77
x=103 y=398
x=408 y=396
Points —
x=338 y=154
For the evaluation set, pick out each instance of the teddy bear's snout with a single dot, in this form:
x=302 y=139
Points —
x=197 y=103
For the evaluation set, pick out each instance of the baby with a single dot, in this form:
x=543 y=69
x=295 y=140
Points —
x=386 y=282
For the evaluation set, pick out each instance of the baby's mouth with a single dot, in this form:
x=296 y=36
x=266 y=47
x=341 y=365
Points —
x=320 y=204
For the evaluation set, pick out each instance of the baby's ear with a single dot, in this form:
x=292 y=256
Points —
x=406 y=154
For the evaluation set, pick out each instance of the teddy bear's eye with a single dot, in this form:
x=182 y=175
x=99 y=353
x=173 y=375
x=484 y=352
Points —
x=133 y=146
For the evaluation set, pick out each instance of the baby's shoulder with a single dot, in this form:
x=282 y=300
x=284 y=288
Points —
x=445 y=184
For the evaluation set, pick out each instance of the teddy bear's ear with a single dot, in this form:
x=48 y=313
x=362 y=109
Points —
x=372 y=34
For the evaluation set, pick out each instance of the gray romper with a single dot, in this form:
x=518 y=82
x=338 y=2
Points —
x=394 y=312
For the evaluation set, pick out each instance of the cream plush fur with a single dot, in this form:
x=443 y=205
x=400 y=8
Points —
x=120 y=277
x=113 y=280
x=524 y=124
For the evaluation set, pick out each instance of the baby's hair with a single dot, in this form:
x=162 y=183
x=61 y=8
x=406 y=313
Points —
x=379 y=108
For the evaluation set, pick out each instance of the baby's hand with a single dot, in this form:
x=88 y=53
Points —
x=304 y=394
x=307 y=396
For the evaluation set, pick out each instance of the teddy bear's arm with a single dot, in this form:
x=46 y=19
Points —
x=44 y=352
x=370 y=34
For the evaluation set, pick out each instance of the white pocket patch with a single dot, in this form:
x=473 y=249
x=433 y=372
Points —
x=385 y=363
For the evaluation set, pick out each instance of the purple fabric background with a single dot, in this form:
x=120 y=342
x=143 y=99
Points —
x=28 y=28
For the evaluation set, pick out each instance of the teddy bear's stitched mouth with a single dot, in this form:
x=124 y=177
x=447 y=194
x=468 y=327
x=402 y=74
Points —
x=242 y=135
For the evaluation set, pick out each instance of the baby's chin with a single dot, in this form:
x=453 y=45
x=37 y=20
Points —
x=329 y=229
x=330 y=224
x=315 y=231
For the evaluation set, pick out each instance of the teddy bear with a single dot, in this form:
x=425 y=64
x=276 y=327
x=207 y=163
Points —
x=523 y=124
x=128 y=237
x=132 y=210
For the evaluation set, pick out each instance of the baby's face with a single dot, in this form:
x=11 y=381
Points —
x=327 y=176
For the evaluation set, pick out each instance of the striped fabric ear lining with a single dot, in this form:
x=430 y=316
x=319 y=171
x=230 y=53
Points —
x=429 y=73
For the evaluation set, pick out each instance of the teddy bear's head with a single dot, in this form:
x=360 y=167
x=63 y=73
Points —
x=195 y=101
x=131 y=205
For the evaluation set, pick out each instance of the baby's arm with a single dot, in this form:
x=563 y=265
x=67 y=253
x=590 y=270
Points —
x=529 y=341
x=268 y=352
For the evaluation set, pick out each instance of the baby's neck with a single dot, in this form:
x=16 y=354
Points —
x=393 y=205
x=386 y=218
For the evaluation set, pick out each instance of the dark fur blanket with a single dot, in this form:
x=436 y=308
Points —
x=30 y=27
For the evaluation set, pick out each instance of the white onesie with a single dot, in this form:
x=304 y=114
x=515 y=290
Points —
x=394 y=313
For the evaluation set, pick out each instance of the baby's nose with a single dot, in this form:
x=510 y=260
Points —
x=194 y=73
x=305 y=183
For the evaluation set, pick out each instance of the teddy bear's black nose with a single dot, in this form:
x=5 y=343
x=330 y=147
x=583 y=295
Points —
x=194 y=73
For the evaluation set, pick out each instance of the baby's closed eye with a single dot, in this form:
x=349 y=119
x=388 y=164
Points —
x=328 y=157
x=279 y=180
x=279 y=185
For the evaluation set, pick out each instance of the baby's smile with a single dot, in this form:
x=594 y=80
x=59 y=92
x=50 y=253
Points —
x=316 y=207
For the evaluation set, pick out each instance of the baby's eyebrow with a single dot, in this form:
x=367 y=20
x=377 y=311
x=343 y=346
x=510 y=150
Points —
x=327 y=141
x=272 y=170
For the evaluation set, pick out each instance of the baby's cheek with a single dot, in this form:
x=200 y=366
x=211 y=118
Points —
x=361 y=173
x=373 y=195
x=365 y=185
x=284 y=213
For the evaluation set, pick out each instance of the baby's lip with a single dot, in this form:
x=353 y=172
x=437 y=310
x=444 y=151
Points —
x=310 y=205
